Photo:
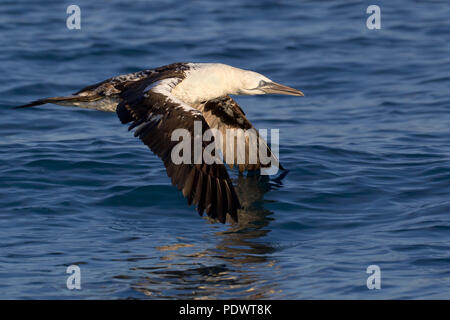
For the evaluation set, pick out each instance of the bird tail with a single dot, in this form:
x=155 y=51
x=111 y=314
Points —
x=65 y=101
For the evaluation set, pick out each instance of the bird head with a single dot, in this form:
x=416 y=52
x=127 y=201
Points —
x=206 y=81
x=253 y=83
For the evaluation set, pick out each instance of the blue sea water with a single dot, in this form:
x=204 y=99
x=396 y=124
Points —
x=367 y=148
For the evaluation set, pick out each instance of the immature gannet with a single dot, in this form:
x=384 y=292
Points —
x=158 y=101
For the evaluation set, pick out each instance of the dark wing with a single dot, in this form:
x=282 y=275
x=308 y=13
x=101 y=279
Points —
x=155 y=114
x=112 y=88
x=224 y=113
x=116 y=85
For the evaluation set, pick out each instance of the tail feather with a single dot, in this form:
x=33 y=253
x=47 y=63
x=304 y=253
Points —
x=32 y=104
x=57 y=100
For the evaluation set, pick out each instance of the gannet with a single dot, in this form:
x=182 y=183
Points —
x=157 y=101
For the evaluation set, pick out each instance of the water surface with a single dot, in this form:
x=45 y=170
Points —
x=368 y=153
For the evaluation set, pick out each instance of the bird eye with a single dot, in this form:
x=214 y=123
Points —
x=262 y=83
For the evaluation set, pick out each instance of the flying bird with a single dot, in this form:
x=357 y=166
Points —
x=157 y=101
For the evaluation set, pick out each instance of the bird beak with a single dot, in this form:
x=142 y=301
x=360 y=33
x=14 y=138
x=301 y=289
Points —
x=276 y=88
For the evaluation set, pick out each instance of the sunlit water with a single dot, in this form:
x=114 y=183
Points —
x=368 y=153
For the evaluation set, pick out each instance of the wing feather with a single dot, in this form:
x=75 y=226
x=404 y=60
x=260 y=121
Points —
x=154 y=114
x=223 y=114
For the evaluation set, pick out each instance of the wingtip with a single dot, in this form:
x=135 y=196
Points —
x=234 y=216
x=31 y=104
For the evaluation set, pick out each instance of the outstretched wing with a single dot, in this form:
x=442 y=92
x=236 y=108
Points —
x=155 y=113
x=225 y=114
x=115 y=85
x=105 y=95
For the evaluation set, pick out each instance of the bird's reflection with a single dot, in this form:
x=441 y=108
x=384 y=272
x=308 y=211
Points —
x=238 y=266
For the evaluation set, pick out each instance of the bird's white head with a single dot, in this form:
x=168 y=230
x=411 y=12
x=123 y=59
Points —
x=253 y=83
x=206 y=81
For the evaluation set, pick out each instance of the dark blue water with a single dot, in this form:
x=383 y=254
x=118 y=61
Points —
x=368 y=151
